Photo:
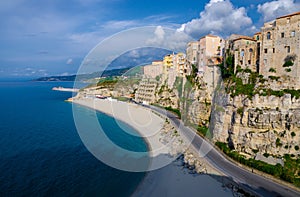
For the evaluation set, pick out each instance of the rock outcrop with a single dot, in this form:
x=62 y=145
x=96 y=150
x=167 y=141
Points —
x=266 y=125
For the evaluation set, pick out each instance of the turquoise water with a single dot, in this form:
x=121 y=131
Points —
x=41 y=152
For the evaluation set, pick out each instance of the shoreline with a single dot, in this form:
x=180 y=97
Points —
x=148 y=125
x=155 y=140
x=80 y=104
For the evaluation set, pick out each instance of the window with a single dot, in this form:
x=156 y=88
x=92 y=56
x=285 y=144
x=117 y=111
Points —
x=266 y=50
x=257 y=37
x=273 y=50
x=288 y=20
x=288 y=49
x=268 y=36
x=249 y=62
x=293 y=34
x=251 y=50
x=282 y=35
x=242 y=53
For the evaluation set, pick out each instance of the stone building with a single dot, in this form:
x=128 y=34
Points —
x=274 y=51
x=153 y=70
x=209 y=52
x=180 y=64
x=209 y=56
x=280 y=47
x=192 y=52
x=244 y=50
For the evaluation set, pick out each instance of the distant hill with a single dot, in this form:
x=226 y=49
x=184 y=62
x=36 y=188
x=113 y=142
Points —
x=120 y=65
x=82 y=77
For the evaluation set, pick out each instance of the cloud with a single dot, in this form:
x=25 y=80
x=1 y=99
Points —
x=134 y=53
x=69 y=61
x=273 y=9
x=119 y=24
x=169 y=39
x=219 y=17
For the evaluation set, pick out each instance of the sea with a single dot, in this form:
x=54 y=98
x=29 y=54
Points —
x=41 y=153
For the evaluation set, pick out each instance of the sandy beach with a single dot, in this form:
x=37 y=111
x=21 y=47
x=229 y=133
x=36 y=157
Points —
x=148 y=124
x=167 y=176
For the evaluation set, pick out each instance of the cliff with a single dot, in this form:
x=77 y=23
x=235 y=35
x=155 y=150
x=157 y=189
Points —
x=259 y=123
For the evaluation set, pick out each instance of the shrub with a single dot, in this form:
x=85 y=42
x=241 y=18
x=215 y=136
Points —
x=278 y=143
x=240 y=110
x=288 y=63
x=296 y=148
x=266 y=155
x=274 y=78
x=272 y=70
x=176 y=111
x=288 y=70
x=293 y=134
x=255 y=150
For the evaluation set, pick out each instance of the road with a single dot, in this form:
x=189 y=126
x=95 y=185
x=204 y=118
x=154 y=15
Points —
x=256 y=183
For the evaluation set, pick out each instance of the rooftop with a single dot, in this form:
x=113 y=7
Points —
x=289 y=15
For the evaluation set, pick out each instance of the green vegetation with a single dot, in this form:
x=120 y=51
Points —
x=272 y=70
x=243 y=89
x=107 y=82
x=227 y=69
x=191 y=79
x=240 y=110
x=266 y=155
x=294 y=93
x=289 y=172
x=288 y=70
x=157 y=78
x=293 y=134
x=274 y=78
x=124 y=99
x=178 y=85
x=288 y=63
x=296 y=148
x=202 y=130
x=280 y=93
x=176 y=111
x=278 y=143
x=255 y=150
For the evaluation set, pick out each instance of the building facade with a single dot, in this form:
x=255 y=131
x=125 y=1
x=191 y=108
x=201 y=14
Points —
x=280 y=47
x=244 y=50
x=146 y=91
x=153 y=70
x=192 y=52
x=209 y=52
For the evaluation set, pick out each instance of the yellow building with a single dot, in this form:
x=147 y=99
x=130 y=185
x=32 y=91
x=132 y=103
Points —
x=169 y=61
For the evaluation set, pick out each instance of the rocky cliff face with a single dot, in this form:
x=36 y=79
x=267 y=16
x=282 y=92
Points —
x=267 y=125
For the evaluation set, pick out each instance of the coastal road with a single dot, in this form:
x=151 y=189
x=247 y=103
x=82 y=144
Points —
x=256 y=183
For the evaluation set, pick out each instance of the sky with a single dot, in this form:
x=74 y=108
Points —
x=52 y=37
